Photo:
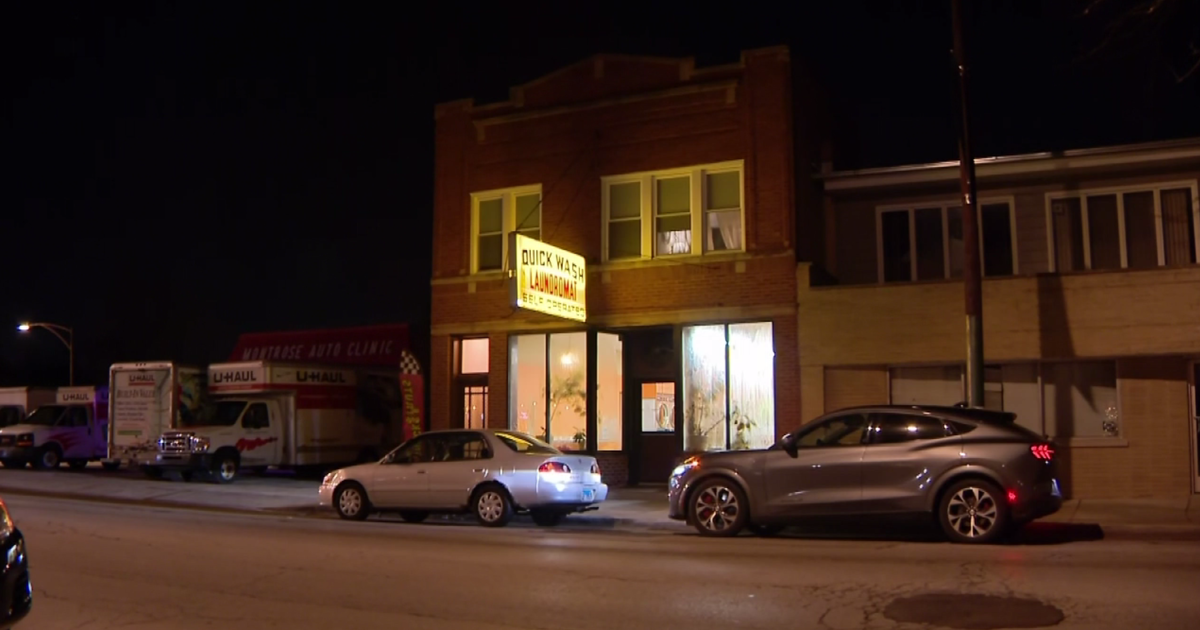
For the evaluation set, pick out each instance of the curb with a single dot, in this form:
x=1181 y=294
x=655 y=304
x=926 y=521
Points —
x=75 y=496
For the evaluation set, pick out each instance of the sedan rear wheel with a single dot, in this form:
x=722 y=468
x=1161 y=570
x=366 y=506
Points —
x=350 y=501
x=972 y=511
x=718 y=508
x=493 y=508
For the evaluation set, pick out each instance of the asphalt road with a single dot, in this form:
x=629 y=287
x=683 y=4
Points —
x=97 y=566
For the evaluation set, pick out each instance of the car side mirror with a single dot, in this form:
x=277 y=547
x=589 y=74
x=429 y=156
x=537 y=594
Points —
x=789 y=445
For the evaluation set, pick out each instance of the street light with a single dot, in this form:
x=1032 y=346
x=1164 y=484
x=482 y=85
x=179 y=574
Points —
x=57 y=330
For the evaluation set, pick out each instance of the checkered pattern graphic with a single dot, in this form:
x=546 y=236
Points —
x=409 y=363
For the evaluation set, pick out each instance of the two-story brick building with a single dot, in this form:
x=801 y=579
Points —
x=675 y=184
x=1091 y=303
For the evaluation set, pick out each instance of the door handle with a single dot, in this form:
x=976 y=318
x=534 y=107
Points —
x=479 y=470
x=420 y=472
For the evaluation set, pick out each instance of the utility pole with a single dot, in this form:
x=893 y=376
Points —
x=972 y=273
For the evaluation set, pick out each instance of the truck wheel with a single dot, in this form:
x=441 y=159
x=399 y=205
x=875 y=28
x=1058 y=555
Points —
x=47 y=458
x=78 y=464
x=12 y=463
x=225 y=468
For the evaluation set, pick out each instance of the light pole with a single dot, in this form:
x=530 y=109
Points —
x=57 y=330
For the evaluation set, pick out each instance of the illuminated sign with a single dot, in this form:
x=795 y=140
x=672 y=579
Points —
x=548 y=279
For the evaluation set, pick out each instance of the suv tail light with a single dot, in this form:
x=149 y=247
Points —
x=1042 y=451
x=554 y=467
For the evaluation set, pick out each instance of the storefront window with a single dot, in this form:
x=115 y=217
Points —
x=751 y=385
x=548 y=382
x=728 y=387
x=568 y=391
x=527 y=384
x=609 y=392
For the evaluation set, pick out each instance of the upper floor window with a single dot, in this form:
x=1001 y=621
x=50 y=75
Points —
x=650 y=215
x=1131 y=228
x=497 y=213
x=925 y=241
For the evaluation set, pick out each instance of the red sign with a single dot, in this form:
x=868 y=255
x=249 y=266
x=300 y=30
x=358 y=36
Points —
x=364 y=345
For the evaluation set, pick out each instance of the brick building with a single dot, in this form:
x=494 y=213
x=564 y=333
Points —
x=676 y=185
x=1091 y=303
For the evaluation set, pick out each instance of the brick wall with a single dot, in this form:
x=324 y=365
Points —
x=1097 y=314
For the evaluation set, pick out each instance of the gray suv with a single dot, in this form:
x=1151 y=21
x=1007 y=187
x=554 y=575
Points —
x=976 y=471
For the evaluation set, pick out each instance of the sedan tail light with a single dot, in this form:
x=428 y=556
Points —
x=554 y=467
x=595 y=468
x=1042 y=451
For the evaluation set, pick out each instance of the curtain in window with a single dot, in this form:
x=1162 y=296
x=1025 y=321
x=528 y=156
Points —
x=1179 y=234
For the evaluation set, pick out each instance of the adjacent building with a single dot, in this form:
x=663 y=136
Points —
x=614 y=263
x=1091 y=298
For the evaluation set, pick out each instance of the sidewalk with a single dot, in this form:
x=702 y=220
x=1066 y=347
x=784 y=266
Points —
x=642 y=508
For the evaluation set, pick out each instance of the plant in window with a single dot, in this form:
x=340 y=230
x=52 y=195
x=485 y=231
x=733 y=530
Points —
x=742 y=426
x=705 y=412
x=580 y=437
x=567 y=392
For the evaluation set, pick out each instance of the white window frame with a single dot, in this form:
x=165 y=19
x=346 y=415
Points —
x=1120 y=192
x=508 y=220
x=944 y=205
x=699 y=201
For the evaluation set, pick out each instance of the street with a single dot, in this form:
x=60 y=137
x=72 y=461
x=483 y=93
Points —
x=97 y=566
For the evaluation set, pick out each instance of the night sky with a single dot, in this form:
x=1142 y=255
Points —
x=179 y=173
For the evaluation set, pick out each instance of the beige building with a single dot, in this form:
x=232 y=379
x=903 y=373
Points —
x=1091 y=303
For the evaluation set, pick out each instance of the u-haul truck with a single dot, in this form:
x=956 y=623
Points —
x=281 y=415
x=147 y=399
x=72 y=429
x=18 y=402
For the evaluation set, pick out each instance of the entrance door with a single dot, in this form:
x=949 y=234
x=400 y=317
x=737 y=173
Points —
x=659 y=439
x=1195 y=383
x=470 y=402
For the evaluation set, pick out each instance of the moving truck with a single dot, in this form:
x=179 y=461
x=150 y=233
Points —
x=284 y=415
x=18 y=402
x=72 y=429
x=148 y=399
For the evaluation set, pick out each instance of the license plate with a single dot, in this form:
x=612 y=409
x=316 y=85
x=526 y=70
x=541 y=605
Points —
x=589 y=494
x=1054 y=489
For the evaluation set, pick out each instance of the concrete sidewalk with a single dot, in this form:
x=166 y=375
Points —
x=627 y=508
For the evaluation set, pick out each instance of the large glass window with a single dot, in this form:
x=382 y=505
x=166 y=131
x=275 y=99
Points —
x=729 y=386
x=527 y=384
x=548 y=382
x=609 y=392
x=568 y=391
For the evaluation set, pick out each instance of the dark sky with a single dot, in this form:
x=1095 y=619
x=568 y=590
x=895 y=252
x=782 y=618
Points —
x=178 y=173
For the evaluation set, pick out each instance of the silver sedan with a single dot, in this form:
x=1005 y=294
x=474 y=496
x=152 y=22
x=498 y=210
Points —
x=490 y=473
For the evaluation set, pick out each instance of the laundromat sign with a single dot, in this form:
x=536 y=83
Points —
x=548 y=279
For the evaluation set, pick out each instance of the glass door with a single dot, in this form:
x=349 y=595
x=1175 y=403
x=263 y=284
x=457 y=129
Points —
x=659 y=440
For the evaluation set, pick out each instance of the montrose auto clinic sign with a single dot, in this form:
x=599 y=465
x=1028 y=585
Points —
x=548 y=279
